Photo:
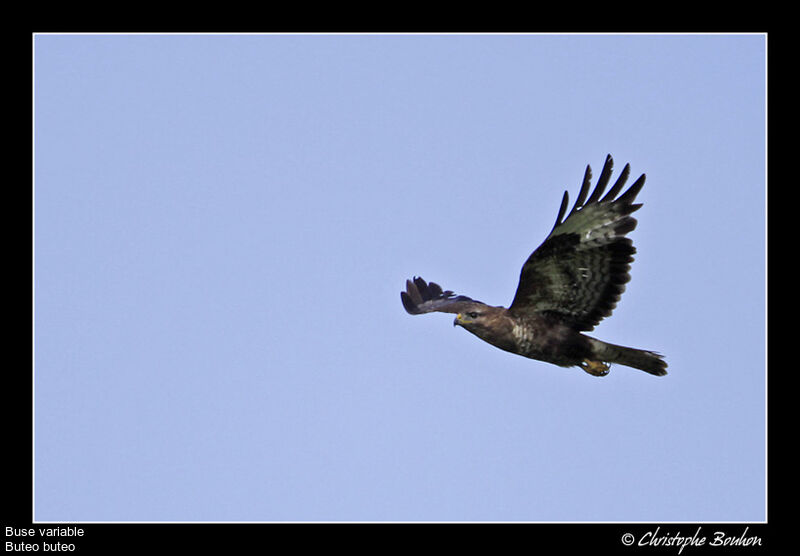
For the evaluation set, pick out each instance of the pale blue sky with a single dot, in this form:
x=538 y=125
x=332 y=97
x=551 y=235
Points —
x=223 y=225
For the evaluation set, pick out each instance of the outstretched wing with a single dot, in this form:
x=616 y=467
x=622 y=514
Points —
x=422 y=297
x=579 y=273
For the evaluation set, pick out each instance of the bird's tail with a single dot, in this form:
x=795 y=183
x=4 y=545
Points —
x=647 y=361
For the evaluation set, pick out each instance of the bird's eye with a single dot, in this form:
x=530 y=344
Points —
x=472 y=315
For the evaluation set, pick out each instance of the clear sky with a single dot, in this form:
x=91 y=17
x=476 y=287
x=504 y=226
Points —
x=223 y=225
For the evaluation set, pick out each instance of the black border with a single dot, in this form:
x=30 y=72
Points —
x=104 y=538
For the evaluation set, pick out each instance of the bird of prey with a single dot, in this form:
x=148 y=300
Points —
x=568 y=285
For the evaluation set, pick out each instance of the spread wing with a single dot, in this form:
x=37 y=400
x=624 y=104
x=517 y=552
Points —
x=579 y=273
x=422 y=297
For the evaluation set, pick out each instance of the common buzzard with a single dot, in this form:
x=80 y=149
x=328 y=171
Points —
x=568 y=285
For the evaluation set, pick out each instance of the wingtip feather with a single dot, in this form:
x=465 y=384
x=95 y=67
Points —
x=630 y=195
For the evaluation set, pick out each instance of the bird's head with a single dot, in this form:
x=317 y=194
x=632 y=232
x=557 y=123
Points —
x=468 y=318
x=488 y=323
x=476 y=316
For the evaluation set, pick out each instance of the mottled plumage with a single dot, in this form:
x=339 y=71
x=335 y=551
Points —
x=568 y=285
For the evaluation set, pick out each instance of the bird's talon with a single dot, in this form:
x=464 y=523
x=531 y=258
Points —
x=595 y=368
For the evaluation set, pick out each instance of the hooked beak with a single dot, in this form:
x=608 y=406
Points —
x=458 y=320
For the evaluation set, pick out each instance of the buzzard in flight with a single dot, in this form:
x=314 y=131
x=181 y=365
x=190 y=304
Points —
x=568 y=285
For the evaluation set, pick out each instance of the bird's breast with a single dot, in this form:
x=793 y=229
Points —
x=523 y=335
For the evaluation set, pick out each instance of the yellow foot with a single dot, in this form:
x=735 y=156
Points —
x=596 y=368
